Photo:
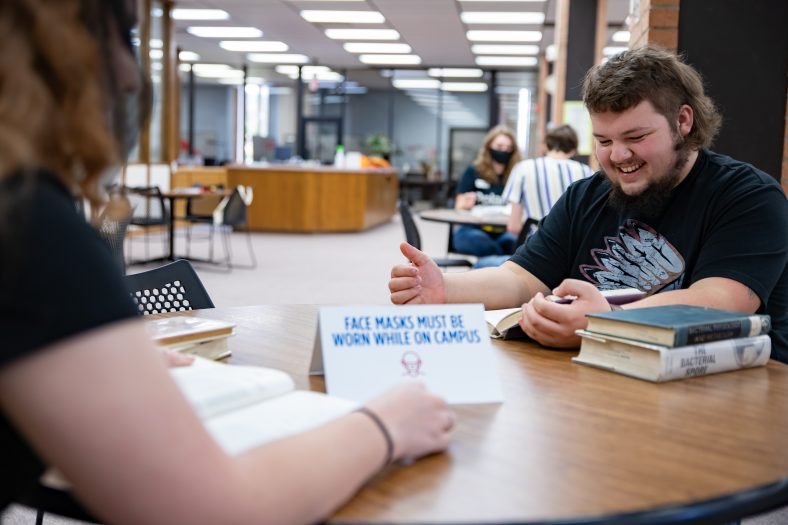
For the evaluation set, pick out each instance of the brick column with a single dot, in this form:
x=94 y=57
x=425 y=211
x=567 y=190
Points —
x=657 y=22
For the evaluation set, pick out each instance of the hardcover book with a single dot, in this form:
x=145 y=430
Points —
x=660 y=363
x=504 y=323
x=193 y=335
x=678 y=325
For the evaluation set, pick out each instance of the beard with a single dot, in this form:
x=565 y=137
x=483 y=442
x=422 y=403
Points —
x=652 y=201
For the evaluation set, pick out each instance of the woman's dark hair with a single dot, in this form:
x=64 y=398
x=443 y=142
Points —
x=653 y=74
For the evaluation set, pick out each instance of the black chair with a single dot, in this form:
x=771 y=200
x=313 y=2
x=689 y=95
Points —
x=173 y=287
x=226 y=214
x=414 y=239
x=149 y=213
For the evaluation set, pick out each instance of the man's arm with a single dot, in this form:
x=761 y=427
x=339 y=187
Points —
x=712 y=292
x=422 y=282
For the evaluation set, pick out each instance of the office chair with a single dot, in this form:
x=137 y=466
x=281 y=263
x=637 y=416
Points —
x=148 y=212
x=173 y=287
x=226 y=214
x=414 y=239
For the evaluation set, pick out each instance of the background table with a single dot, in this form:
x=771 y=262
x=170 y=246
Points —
x=568 y=441
x=454 y=217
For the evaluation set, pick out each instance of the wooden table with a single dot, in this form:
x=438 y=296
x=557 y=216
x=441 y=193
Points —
x=569 y=441
x=454 y=217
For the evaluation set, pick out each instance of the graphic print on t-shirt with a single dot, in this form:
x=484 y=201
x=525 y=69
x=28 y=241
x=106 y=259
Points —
x=638 y=258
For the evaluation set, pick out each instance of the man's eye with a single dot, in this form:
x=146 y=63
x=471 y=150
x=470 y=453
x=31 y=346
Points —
x=603 y=142
x=637 y=139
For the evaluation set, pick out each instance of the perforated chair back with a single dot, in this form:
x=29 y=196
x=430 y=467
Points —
x=173 y=287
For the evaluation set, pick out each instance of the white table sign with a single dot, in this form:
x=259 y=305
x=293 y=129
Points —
x=365 y=350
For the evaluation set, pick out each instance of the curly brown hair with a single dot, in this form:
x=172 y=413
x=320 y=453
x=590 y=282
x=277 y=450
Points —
x=483 y=162
x=54 y=91
x=659 y=76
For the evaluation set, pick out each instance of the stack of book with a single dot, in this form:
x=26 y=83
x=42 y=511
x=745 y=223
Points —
x=193 y=335
x=664 y=343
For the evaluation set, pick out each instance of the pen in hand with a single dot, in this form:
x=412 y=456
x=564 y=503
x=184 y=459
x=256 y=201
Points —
x=618 y=296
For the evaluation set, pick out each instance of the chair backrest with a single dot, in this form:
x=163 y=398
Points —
x=148 y=206
x=113 y=224
x=411 y=230
x=529 y=227
x=234 y=211
x=173 y=287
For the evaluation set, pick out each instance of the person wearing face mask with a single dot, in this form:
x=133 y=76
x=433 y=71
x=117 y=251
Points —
x=482 y=185
x=665 y=215
x=74 y=354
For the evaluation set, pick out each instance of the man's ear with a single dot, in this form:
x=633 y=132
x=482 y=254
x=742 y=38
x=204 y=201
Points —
x=685 y=121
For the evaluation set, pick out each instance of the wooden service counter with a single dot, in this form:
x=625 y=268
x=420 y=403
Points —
x=307 y=198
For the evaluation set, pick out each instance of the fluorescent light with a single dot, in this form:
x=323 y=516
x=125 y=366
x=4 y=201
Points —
x=156 y=43
x=464 y=86
x=455 y=72
x=224 y=32
x=499 y=17
x=156 y=54
x=251 y=46
x=342 y=17
x=157 y=66
x=188 y=56
x=200 y=14
x=185 y=67
x=278 y=58
x=232 y=81
x=210 y=67
x=503 y=49
x=621 y=36
x=305 y=70
x=390 y=59
x=228 y=73
x=613 y=50
x=376 y=47
x=506 y=61
x=416 y=83
x=498 y=1
x=362 y=34
x=504 y=36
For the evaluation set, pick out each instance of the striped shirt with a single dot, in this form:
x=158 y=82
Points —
x=537 y=184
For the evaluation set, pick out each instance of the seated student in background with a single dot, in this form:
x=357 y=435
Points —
x=536 y=184
x=665 y=215
x=482 y=185
x=81 y=386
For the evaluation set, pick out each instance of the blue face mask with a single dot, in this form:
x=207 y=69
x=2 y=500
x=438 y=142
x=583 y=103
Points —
x=500 y=156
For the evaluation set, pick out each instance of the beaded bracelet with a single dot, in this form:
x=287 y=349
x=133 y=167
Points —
x=385 y=431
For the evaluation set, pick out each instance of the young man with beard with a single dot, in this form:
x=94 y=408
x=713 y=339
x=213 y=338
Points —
x=664 y=215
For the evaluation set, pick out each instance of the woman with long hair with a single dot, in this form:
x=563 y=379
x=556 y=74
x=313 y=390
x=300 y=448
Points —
x=74 y=355
x=482 y=184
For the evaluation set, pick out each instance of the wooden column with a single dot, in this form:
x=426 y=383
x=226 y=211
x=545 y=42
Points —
x=559 y=66
x=170 y=128
x=655 y=22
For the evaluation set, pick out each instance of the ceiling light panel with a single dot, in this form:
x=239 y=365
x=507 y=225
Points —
x=504 y=36
x=416 y=83
x=342 y=17
x=477 y=87
x=502 y=1
x=621 y=36
x=390 y=59
x=505 y=61
x=376 y=47
x=497 y=17
x=455 y=72
x=188 y=56
x=503 y=49
x=200 y=14
x=362 y=34
x=224 y=32
x=254 y=46
x=277 y=58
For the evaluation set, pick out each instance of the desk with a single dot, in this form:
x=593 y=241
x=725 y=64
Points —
x=454 y=217
x=569 y=441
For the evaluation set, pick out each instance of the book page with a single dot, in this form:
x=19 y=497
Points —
x=178 y=329
x=500 y=320
x=213 y=388
x=253 y=425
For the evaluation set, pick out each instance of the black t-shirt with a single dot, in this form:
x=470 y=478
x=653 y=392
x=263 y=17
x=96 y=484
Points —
x=57 y=279
x=725 y=219
x=486 y=194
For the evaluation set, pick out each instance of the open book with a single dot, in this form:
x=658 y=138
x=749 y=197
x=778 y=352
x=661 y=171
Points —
x=245 y=406
x=504 y=323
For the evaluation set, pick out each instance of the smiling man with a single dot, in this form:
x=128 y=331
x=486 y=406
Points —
x=664 y=214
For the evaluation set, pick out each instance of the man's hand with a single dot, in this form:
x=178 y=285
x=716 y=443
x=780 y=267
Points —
x=553 y=324
x=420 y=282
